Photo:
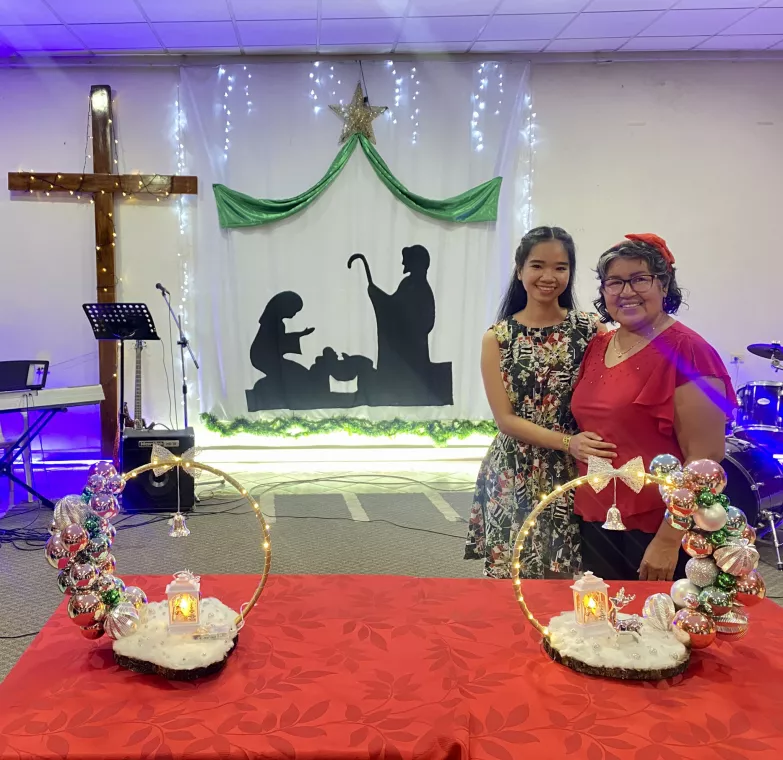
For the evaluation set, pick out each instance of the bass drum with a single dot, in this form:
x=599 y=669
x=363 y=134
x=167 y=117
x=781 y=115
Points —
x=755 y=479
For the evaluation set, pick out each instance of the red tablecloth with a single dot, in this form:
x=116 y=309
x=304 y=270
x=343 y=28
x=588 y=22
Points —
x=346 y=667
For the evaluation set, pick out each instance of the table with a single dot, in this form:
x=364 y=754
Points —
x=349 y=667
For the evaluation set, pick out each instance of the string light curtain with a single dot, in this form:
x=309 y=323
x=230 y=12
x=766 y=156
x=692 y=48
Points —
x=265 y=131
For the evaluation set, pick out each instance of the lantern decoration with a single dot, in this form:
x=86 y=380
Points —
x=184 y=595
x=591 y=604
x=722 y=580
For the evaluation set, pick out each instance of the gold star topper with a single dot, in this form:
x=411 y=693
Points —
x=358 y=116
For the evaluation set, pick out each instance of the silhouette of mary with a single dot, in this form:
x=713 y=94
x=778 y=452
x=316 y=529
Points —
x=272 y=343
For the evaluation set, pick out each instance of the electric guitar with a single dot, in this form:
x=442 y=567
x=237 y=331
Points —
x=137 y=422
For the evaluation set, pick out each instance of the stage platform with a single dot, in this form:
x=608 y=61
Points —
x=354 y=667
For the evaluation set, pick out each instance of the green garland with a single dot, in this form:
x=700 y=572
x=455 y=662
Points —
x=440 y=432
x=479 y=204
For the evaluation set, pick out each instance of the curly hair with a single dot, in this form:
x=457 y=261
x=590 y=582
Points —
x=515 y=298
x=634 y=249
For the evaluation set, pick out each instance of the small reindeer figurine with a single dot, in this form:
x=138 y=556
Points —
x=620 y=600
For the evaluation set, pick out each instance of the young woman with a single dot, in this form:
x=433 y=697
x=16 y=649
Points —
x=651 y=387
x=529 y=362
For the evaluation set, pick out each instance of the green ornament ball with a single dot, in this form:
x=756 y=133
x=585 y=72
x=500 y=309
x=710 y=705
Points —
x=86 y=495
x=726 y=581
x=111 y=598
x=92 y=525
x=718 y=537
x=705 y=498
x=723 y=499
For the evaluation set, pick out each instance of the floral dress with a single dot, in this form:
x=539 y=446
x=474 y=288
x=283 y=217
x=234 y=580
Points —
x=539 y=366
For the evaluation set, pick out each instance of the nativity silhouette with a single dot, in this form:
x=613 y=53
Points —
x=402 y=375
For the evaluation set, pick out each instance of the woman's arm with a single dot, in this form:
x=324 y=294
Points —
x=699 y=423
x=700 y=427
x=582 y=445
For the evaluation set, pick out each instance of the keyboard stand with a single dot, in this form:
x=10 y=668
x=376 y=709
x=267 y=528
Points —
x=22 y=444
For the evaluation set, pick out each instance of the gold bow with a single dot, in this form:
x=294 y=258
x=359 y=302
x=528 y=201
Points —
x=167 y=460
x=600 y=473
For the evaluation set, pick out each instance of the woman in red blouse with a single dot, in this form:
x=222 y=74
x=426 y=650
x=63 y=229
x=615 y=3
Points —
x=651 y=387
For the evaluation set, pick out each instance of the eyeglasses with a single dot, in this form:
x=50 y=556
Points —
x=641 y=283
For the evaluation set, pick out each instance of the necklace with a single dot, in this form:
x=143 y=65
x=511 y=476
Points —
x=620 y=354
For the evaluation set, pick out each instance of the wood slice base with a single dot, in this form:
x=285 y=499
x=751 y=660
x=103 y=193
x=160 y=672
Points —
x=623 y=674
x=150 y=668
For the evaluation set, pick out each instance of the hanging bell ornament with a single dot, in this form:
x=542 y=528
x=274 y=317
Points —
x=614 y=520
x=178 y=527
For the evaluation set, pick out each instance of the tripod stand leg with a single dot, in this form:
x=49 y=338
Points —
x=773 y=526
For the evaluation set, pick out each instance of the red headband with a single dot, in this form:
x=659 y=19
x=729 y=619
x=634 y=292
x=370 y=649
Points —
x=656 y=242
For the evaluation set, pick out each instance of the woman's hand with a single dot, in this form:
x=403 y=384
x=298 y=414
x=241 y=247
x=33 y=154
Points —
x=659 y=561
x=586 y=445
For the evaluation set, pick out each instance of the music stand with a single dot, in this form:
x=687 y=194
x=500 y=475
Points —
x=121 y=322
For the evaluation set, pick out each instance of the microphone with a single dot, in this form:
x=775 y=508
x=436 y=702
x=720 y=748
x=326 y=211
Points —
x=162 y=289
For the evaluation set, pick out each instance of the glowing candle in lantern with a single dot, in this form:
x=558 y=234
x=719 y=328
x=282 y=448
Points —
x=184 y=594
x=591 y=604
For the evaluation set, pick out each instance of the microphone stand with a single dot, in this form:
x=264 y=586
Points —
x=183 y=344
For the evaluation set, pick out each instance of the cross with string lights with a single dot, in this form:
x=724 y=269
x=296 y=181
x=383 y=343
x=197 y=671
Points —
x=103 y=184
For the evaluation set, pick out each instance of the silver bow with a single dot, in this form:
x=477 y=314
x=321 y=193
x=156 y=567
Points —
x=600 y=473
x=168 y=460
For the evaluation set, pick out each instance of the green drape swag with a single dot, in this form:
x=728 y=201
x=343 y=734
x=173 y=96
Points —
x=479 y=204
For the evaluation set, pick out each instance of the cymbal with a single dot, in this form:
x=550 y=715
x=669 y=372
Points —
x=766 y=350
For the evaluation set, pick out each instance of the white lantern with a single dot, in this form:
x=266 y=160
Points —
x=591 y=604
x=184 y=594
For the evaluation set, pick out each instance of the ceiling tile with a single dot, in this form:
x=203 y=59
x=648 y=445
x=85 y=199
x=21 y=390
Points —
x=197 y=34
x=451 y=7
x=363 y=8
x=509 y=46
x=541 y=6
x=263 y=10
x=625 y=24
x=49 y=38
x=372 y=31
x=762 y=21
x=684 y=23
x=700 y=4
x=365 y=49
x=116 y=36
x=277 y=33
x=533 y=27
x=599 y=45
x=192 y=10
x=741 y=42
x=630 y=5
x=663 y=43
x=25 y=12
x=118 y=11
x=432 y=47
x=458 y=29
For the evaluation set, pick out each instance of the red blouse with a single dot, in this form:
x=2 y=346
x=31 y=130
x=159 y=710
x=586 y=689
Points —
x=632 y=406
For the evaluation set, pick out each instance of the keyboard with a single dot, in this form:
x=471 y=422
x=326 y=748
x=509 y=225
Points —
x=51 y=398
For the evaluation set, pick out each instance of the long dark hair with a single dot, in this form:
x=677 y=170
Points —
x=516 y=296
x=637 y=249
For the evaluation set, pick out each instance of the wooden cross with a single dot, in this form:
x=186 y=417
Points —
x=103 y=183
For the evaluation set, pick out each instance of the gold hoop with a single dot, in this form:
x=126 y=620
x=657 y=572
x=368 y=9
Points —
x=245 y=609
x=531 y=521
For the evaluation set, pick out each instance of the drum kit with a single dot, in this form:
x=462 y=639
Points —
x=754 y=450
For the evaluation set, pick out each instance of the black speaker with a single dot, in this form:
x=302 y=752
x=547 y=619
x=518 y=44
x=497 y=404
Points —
x=146 y=492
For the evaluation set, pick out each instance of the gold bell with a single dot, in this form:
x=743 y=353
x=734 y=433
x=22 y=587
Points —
x=614 y=520
x=179 y=528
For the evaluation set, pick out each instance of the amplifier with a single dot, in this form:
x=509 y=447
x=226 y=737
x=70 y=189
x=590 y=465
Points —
x=146 y=492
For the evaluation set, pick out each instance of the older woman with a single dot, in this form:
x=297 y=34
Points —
x=651 y=387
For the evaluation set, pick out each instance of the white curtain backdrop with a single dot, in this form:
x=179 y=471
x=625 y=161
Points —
x=266 y=130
